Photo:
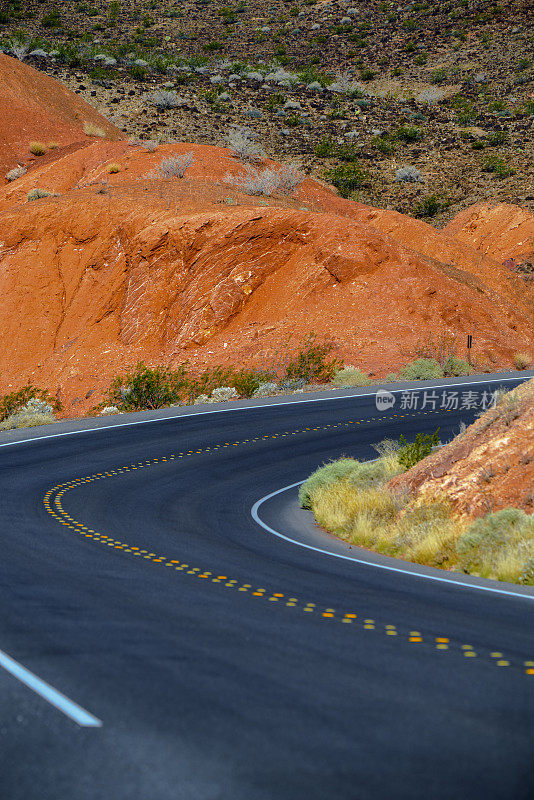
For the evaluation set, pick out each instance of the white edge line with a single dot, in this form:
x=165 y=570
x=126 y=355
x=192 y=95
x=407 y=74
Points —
x=248 y=408
x=404 y=570
x=48 y=693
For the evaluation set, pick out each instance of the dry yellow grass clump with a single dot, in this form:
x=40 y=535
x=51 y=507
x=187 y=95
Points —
x=37 y=148
x=90 y=129
x=352 y=500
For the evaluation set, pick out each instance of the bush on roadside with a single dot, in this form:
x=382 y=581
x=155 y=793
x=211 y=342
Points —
x=410 y=453
x=147 y=388
x=422 y=369
x=16 y=401
x=499 y=545
x=312 y=363
x=351 y=376
x=522 y=360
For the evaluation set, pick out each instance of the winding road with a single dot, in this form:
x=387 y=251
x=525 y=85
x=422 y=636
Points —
x=160 y=639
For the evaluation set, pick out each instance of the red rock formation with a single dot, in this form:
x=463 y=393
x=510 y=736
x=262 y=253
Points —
x=489 y=467
x=120 y=267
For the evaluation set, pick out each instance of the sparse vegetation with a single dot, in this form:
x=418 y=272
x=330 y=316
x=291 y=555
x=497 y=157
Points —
x=38 y=194
x=171 y=167
x=90 y=129
x=522 y=360
x=37 y=148
x=268 y=181
x=15 y=173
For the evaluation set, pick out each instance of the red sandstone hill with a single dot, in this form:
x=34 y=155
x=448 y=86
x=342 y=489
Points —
x=35 y=107
x=118 y=267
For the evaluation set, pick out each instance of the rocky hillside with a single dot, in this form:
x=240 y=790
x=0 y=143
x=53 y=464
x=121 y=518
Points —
x=443 y=89
x=489 y=467
x=115 y=251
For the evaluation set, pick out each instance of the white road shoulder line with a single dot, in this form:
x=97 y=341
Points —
x=405 y=570
x=281 y=404
x=48 y=693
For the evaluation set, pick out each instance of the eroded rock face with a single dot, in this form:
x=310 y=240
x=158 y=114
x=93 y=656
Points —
x=489 y=467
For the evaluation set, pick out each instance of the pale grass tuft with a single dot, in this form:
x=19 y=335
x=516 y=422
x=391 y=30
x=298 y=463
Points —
x=113 y=168
x=53 y=145
x=37 y=148
x=90 y=129
x=522 y=360
x=30 y=420
x=351 y=376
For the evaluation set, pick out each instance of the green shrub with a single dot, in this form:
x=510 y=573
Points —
x=38 y=194
x=11 y=403
x=325 y=147
x=311 y=363
x=497 y=166
x=51 y=20
x=454 y=367
x=409 y=133
x=246 y=381
x=422 y=369
x=148 y=388
x=430 y=205
x=351 y=376
x=347 y=178
x=410 y=453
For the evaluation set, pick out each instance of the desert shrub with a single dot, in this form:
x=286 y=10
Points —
x=165 y=99
x=325 y=147
x=15 y=173
x=27 y=419
x=410 y=453
x=51 y=20
x=212 y=378
x=498 y=166
x=409 y=133
x=347 y=178
x=247 y=381
x=138 y=72
x=37 y=148
x=408 y=175
x=147 y=388
x=325 y=476
x=113 y=168
x=422 y=369
x=522 y=360
x=243 y=145
x=267 y=181
x=498 y=545
x=430 y=205
x=13 y=402
x=37 y=194
x=351 y=376
x=312 y=362
x=19 y=50
x=454 y=367
x=90 y=129
x=384 y=143
x=171 y=167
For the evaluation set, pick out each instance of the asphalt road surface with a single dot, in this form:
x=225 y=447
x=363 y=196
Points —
x=214 y=659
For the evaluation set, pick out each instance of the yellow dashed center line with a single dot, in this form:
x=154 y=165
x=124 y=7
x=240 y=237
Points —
x=53 y=506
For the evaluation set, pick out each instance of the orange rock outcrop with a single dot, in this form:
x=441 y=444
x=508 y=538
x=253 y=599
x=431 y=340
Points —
x=489 y=467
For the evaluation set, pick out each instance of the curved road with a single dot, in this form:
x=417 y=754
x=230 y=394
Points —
x=223 y=661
